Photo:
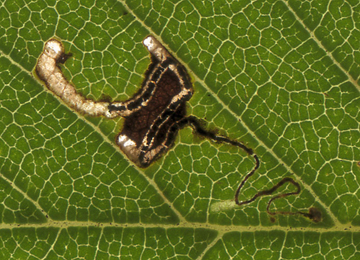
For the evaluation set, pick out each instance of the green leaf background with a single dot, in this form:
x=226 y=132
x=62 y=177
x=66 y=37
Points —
x=280 y=76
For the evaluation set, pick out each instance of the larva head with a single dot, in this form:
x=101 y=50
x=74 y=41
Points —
x=54 y=49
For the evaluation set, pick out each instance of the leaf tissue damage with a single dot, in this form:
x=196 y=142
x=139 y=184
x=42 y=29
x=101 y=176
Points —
x=154 y=115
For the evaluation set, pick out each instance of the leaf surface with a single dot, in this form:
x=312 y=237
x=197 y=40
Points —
x=281 y=77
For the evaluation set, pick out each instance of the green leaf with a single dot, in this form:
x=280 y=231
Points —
x=281 y=77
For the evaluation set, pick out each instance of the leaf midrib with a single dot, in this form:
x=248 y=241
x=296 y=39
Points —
x=222 y=229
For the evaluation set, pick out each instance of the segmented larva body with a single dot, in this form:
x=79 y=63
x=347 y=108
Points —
x=48 y=71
